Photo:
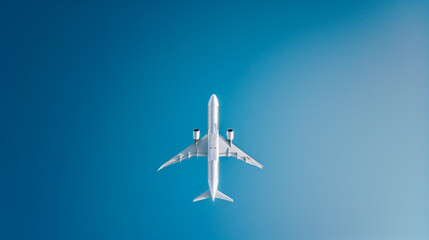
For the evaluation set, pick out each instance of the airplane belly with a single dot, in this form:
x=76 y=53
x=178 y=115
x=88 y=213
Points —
x=213 y=146
x=213 y=157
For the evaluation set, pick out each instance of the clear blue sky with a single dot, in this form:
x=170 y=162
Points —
x=331 y=97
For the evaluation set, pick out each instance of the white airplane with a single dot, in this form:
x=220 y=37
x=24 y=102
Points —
x=212 y=146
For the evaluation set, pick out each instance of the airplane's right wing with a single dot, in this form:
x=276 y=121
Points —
x=228 y=149
x=199 y=148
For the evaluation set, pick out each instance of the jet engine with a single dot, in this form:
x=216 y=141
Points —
x=230 y=134
x=196 y=134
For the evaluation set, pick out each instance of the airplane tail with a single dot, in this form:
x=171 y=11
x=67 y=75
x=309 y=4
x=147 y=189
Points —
x=218 y=194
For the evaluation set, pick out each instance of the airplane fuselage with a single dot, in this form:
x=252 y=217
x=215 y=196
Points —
x=213 y=145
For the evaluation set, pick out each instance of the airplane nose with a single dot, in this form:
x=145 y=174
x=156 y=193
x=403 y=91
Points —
x=213 y=100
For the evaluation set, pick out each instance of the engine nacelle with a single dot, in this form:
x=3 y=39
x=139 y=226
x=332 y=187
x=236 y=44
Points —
x=230 y=134
x=196 y=134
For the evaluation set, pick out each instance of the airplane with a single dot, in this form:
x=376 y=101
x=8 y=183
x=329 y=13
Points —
x=212 y=145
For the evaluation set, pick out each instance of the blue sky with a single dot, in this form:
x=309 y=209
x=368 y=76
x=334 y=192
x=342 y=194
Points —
x=331 y=97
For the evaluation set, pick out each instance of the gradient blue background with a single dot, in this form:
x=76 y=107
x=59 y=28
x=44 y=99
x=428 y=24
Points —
x=332 y=97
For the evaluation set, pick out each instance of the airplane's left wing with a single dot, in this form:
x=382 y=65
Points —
x=228 y=149
x=198 y=148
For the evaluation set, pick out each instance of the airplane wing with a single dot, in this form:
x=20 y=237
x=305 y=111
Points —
x=199 y=148
x=228 y=149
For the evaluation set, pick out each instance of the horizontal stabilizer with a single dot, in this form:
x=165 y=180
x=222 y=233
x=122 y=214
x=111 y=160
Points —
x=219 y=195
x=203 y=196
